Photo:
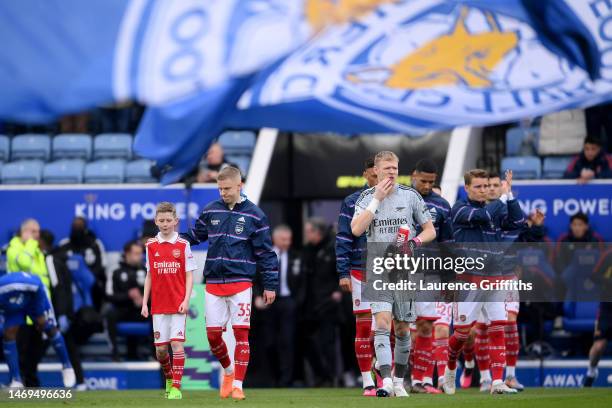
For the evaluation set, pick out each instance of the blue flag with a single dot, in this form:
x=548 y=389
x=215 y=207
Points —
x=413 y=66
x=373 y=66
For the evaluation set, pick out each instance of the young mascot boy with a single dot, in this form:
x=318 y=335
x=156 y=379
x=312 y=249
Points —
x=169 y=281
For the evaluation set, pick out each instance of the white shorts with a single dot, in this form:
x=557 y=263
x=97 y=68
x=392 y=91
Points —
x=426 y=311
x=483 y=319
x=445 y=313
x=466 y=313
x=359 y=305
x=512 y=302
x=168 y=327
x=236 y=309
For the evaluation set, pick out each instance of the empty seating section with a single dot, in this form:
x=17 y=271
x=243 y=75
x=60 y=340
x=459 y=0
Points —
x=31 y=147
x=73 y=158
x=72 y=146
x=113 y=145
x=525 y=168
x=22 y=172
x=139 y=171
x=64 y=172
x=5 y=148
x=105 y=172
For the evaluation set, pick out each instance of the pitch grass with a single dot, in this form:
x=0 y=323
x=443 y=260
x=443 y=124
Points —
x=336 y=398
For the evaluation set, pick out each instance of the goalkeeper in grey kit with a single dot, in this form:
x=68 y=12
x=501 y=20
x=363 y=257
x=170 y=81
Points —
x=380 y=211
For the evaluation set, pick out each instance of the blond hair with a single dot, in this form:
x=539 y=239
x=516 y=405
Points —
x=165 y=207
x=229 y=173
x=385 y=155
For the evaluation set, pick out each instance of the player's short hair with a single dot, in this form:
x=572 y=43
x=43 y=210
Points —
x=474 y=173
x=319 y=224
x=426 y=166
x=27 y=222
x=368 y=163
x=229 y=173
x=580 y=216
x=281 y=228
x=494 y=174
x=47 y=237
x=593 y=140
x=165 y=207
x=127 y=247
x=385 y=155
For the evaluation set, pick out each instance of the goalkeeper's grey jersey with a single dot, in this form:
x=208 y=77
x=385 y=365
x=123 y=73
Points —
x=404 y=206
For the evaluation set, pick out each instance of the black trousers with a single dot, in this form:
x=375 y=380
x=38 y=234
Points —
x=123 y=314
x=31 y=347
x=279 y=322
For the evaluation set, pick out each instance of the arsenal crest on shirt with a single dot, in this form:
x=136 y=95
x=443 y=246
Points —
x=176 y=253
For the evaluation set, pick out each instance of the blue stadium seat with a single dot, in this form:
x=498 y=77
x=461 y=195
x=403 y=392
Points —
x=554 y=167
x=22 y=172
x=579 y=316
x=133 y=329
x=527 y=167
x=31 y=146
x=243 y=162
x=577 y=276
x=514 y=139
x=113 y=145
x=5 y=145
x=72 y=146
x=64 y=172
x=237 y=142
x=105 y=171
x=139 y=171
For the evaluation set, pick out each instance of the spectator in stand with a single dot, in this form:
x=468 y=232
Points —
x=592 y=163
x=213 y=163
x=128 y=286
x=84 y=242
x=579 y=233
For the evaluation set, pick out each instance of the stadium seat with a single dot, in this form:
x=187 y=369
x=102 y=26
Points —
x=113 y=145
x=22 y=172
x=105 y=171
x=528 y=167
x=64 y=172
x=243 y=162
x=5 y=144
x=579 y=316
x=133 y=329
x=237 y=142
x=72 y=146
x=139 y=171
x=31 y=146
x=554 y=167
x=577 y=276
x=514 y=139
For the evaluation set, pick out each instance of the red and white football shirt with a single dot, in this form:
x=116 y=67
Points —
x=167 y=262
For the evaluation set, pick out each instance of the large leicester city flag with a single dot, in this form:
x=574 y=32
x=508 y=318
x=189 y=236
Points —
x=351 y=66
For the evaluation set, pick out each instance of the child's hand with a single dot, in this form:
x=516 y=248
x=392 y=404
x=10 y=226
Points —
x=184 y=307
x=144 y=311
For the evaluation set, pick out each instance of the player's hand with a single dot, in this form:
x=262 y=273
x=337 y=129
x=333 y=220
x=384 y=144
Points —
x=538 y=217
x=260 y=304
x=587 y=174
x=184 y=307
x=383 y=189
x=509 y=179
x=337 y=296
x=144 y=311
x=269 y=296
x=346 y=285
